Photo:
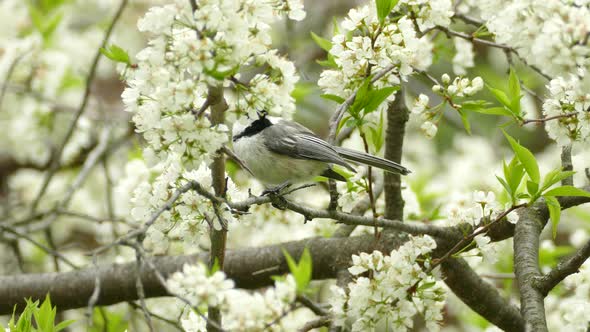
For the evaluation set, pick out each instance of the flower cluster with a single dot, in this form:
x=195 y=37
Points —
x=191 y=52
x=460 y=87
x=388 y=291
x=569 y=102
x=549 y=34
x=191 y=61
x=428 y=13
x=463 y=57
x=42 y=80
x=188 y=218
x=195 y=284
x=570 y=312
x=367 y=46
x=202 y=289
x=479 y=210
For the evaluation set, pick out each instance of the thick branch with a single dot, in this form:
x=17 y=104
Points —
x=218 y=236
x=526 y=267
x=250 y=268
x=397 y=116
x=480 y=296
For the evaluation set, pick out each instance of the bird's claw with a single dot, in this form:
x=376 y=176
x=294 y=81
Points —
x=276 y=190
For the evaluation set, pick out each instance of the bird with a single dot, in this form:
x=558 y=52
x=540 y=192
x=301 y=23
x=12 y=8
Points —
x=280 y=152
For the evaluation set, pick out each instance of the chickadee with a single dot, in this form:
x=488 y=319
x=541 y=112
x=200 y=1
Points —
x=278 y=152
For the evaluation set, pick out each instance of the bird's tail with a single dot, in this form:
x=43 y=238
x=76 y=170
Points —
x=367 y=159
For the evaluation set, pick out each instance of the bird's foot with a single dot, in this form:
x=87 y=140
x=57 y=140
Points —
x=276 y=190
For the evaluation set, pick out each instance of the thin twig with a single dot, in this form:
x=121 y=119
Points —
x=311 y=305
x=543 y=120
x=468 y=239
x=139 y=287
x=314 y=324
x=56 y=156
x=489 y=43
x=95 y=294
x=50 y=251
x=151 y=220
x=564 y=268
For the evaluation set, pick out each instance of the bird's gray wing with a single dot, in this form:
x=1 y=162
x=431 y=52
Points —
x=296 y=141
x=367 y=159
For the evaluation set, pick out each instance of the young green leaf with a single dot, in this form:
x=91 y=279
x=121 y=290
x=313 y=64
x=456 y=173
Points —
x=494 y=111
x=513 y=173
x=465 y=121
x=567 y=191
x=384 y=7
x=526 y=158
x=329 y=63
x=116 y=54
x=362 y=97
x=325 y=44
x=301 y=271
x=507 y=188
x=532 y=187
x=514 y=91
x=500 y=96
x=554 y=213
x=376 y=97
x=555 y=176
x=335 y=98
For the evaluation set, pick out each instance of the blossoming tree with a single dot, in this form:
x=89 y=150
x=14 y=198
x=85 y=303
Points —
x=121 y=197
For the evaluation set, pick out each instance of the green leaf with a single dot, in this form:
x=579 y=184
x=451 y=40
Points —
x=532 y=187
x=426 y=285
x=384 y=7
x=554 y=213
x=63 y=325
x=376 y=134
x=50 y=25
x=325 y=44
x=465 y=121
x=116 y=54
x=555 y=176
x=514 y=88
x=500 y=96
x=301 y=271
x=513 y=173
x=567 y=191
x=105 y=320
x=506 y=186
x=215 y=267
x=526 y=158
x=494 y=111
x=361 y=99
x=330 y=63
x=376 y=97
x=335 y=98
x=474 y=105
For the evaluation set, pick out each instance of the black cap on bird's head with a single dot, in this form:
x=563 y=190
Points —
x=262 y=114
x=255 y=126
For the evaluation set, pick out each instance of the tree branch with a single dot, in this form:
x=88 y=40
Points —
x=250 y=268
x=480 y=296
x=56 y=157
x=218 y=237
x=526 y=268
x=564 y=268
x=397 y=116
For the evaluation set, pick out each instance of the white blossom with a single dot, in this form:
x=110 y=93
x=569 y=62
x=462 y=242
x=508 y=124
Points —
x=387 y=297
